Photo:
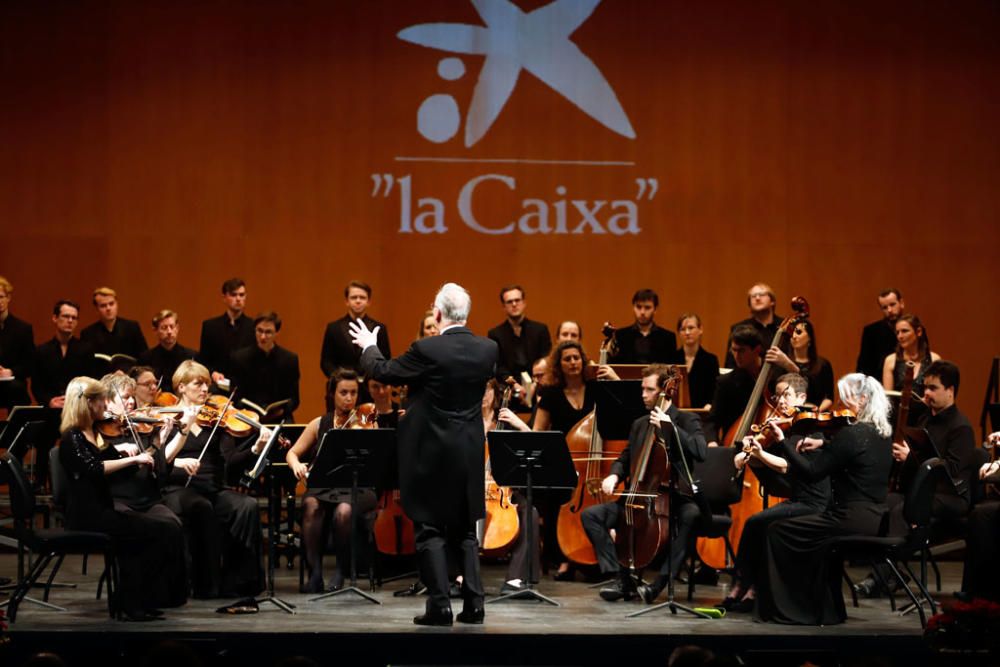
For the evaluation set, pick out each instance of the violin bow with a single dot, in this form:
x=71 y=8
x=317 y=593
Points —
x=211 y=435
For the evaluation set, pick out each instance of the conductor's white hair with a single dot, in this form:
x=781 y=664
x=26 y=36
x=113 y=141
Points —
x=873 y=405
x=453 y=302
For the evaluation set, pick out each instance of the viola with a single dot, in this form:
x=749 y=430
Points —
x=219 y=410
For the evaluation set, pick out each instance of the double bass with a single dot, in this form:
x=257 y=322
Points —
x=902 y=416
x=643 y=526
x=591 y=469
x=501 y=523
x=757 y=411
x=394 y=531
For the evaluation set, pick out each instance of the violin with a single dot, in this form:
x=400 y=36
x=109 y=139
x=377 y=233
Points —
x=219 y=410
x=114 y=426
x=363 y=416
x=165 y=399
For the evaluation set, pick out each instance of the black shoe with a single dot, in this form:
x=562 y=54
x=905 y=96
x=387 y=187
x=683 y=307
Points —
x=314 y=585
x=474 y=614
x=867 y=588
x=617 y=591
x=648 y=593
x=337 y=582
x=727 y=604
x=437 y=617
x=455 y=590
x=744 y=606
x=568 y=574
x=511 y=588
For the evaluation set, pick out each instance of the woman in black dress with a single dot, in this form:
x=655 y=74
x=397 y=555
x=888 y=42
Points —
x=702 y=365
x=800 y=583
x=142 y=544
x=806 y=361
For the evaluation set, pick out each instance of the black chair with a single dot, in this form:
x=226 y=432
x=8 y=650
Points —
x=47 y=544
x=888 y=551
x=719 y=487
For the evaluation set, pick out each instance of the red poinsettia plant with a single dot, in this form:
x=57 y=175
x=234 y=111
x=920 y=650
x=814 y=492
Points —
x=966 y=626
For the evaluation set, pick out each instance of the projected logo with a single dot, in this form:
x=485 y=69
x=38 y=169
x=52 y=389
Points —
x=512 y=41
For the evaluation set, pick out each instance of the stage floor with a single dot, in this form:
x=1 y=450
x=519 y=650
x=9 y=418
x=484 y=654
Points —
x=583 y=630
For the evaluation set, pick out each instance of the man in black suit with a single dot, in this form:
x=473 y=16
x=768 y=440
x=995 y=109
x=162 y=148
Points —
x=521 y=341
x=878 y=339
x=266 y=372
x=645 y=342
x=111 y=334
x=222 y=336
x=598 y=520
x=17 y=352
x=338 y=350
x=441 y=446
x=168 y=354
x=62 y=358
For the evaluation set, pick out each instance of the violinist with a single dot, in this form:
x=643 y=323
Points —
x=599 y=520
x=801 y=583
x=644 y=342
x=223 y=525
x=805 y=497
x=223 y=335
x=167 y=354
x=702 y=365
x=147 y=385
x=733 y=390
x=140 y=544
x=136 y=489
x=982 y=553
x=320 y=503
x=954 y=440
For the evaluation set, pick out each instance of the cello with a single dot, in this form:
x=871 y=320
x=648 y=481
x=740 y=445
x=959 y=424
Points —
x=394 y=531
x=591 y=471
x=643 y=526
x=757 y=411
x=501 y=523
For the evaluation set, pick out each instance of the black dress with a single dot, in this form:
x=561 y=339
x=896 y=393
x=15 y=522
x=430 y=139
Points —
x=143 y=546
x=820 y=378
x=800 y=583
x=562 y=415
x=702 y=376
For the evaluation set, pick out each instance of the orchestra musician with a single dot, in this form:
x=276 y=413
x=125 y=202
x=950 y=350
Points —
x=878 y=339
x=569 y=330
x=645 y=341
x=702 y=365
x=954 y=441
x=519 y=339
x=223 y=525
x=599 y=520
x=323 y=504
x=147 y=385
x=167 y=354
x=61 y=358
x=388 y=412
x=801 y=583
x=265 y=372
x=428 y=325
x=136 y=489
x=979 y=579
x=441 y=453
x=806 y=497
x=763 y=320
x=733 y=390
x=17 y=352
x=111 y=334
x=227 y=333
x=338 y=351
x=805 y=360
x=912 y=345
x=140 y=541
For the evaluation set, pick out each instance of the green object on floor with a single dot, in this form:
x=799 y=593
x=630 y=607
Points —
x=712 y=612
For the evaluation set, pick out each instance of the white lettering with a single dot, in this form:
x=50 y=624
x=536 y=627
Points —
x=465 y=203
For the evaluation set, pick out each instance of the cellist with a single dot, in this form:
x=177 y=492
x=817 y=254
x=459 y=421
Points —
x=598 y=520
x=343 y=388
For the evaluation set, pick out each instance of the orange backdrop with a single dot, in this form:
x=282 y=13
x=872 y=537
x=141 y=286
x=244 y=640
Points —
x=828 y=148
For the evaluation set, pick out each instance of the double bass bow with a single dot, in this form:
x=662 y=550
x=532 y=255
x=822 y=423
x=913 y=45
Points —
x=643 y=526
x=757 y=410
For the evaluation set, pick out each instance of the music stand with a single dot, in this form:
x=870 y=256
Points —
x=18 y=420
x=684 y=469
x=524 y=460
x=273 y=519
x=355 y=458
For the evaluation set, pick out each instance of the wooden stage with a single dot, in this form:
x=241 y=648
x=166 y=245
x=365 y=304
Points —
x=347 y=630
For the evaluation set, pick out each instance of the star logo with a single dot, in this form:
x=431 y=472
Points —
x=512 y=40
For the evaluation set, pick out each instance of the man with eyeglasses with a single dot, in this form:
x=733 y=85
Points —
x=61 y=358
x=267 y=373
x=168 y=354
x=521 y=341
x=761 y=300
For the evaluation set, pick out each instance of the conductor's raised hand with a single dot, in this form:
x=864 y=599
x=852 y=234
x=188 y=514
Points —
x=360 y=334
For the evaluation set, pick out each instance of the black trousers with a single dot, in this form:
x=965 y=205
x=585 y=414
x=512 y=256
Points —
x=518 y=566
x=598 y=520
x=980 y=577
x=434 y=542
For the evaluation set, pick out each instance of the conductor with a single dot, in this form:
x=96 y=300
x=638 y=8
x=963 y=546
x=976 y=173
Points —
x=441 y=453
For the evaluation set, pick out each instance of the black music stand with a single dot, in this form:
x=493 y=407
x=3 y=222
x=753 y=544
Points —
x=356 y=458
x=24 y=422
x=526 y=460
x=273 y=519
x=684 y=469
